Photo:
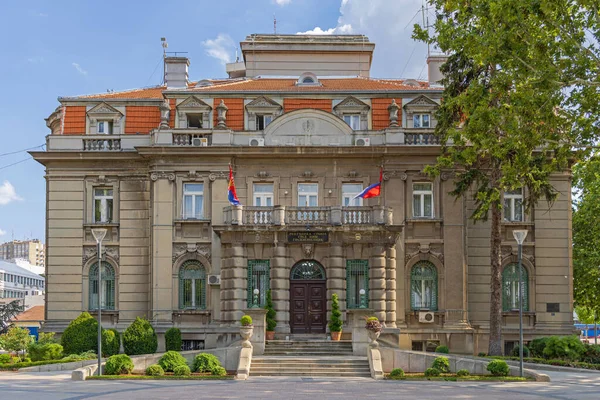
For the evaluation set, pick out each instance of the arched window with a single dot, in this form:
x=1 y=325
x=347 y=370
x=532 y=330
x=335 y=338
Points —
x=308 y=79
x=192 y=286
x=107 y=288
x=510 y=288
x=307 y=270
x=423 y=286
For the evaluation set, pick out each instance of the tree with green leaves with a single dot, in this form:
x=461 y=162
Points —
x=507 y=119
x=16 y=339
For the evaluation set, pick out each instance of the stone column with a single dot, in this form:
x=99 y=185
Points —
x=390 y=288
x=280 y=287
x=238 y=275
x=377 y=281
x=336 y=278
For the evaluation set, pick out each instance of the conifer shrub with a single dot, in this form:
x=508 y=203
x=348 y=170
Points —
x=111 y=342
x=81 y=335
x=271 y=323
x=155 y=370
x=170 y=360
x=119 y=364
x=140 y=338
x=335 y=323
x=246 y=320
x=173 y=339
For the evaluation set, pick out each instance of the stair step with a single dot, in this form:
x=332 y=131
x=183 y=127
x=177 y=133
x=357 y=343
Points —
x=315 y=374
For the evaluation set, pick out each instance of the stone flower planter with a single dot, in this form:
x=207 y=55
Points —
x=373 y=336
x=246 y=333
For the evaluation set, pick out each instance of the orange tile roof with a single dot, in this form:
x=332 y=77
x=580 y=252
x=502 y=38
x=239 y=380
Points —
x=154 y=92
x=141 y=119
x=235 y=113
x=74 y=120
x=380 y=114
x=296 y=104
x=35 y=313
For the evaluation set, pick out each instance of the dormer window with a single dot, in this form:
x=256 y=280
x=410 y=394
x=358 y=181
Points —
x=421 y=121
x=262 y=121
x=308 y=79
x=104 y=119
x=105 y=127
x=194 y=120
x=261 y=112
x=353 y=121
x=354 y=112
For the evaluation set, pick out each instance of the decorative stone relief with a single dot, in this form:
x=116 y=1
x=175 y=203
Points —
x=414 y=249
x=263 y=174
x=308 y=126
x=214 y=175
x=393 y=112
x=154 y=176
x=180 y=249
x=445 y=176
x=165 y=108
x=221 y=116
x=353 y=174
x=89 y=252
x=307 y=174
x=308 y=250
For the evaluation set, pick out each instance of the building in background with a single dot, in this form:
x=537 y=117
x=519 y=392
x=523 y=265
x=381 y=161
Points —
x=19 y=283
x=32 y=319
x=305 y=128
x=33 y=251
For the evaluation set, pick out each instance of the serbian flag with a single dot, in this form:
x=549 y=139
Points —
x=373 y=190
x=231 y=195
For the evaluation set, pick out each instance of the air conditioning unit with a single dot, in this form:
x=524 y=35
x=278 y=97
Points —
x=214 y=279
x=362 y=141
x=426 y=317
x=199 y=141
x=260 y=142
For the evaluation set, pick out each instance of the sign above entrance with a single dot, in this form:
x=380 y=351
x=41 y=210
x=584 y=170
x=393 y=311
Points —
x=308 y=237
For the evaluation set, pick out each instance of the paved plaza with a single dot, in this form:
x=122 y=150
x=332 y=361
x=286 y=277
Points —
x=57 y=385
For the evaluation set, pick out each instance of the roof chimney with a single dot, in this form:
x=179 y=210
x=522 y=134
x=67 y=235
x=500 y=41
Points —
x=434 y=62
x=176 y=72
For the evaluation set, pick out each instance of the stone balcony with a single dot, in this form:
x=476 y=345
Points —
x=303 y=216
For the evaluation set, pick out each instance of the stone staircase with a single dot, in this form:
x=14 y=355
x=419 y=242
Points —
x=313 y=358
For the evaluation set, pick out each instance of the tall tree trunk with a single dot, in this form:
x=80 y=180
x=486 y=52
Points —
x=495 y=345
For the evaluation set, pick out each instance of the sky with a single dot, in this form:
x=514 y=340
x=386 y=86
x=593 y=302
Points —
x=72 y=47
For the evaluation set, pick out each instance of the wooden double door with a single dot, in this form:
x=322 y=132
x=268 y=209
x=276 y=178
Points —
x=308 y=306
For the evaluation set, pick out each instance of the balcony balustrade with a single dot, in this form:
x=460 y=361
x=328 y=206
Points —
x=302 y=216
x=102 y=144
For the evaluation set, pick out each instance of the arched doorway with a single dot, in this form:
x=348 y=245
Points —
x=308 y=303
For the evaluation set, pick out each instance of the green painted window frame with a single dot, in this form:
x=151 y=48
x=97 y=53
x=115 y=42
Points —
x=510 y=284
x=108 y=287
x=309 y=270
x=192 y=286
x=357 y=277
x=423 y=276
x=259 y=277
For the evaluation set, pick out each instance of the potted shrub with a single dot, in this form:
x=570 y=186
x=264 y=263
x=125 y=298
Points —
x=374 y=328
x=271 y=323
x=246 y=330
x=335 y=323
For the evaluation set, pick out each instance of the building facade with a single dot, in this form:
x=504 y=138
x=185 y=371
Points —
x=19 y=283
x=305 y=128
x=33 y=251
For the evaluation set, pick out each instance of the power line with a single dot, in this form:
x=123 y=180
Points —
x=21 y=151
x=18 y=162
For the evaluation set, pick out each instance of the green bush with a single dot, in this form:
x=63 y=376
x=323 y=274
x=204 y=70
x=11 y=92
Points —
x=173 y=339
x=441 y=363
x=4 y=358
x=182 y=370
x=397 y=373
x=111 y=342
x=218 y=371
x=170 y=360
x=537 y=346
x=591 y=354
x=44 y=352
x=482 y=354
x=498 y=367
x=205 y=362
x=88 y=355
x=515 y=351
x=271 y=323
x=16 y=359
x=429 y=372
x=335 y=323
x=442 y=349
x=246 y=320
x=140 y=338
x=155 y=370
x=46 y=337
x=119 y=364
x=463 y=372
x=565 y=348
x=81 y=335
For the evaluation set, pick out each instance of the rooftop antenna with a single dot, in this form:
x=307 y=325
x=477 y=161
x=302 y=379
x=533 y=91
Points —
x=237 y=58
x=274 y=25
x=165 y=45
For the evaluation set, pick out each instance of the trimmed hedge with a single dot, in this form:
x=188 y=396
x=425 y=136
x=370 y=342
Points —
x=119 y=364
x=173 y=339
x=81 y=335
x=22 y=364
x=560 y=363
x=155 y=370
x=111 y=342
x=170 y=360
x=140 y=338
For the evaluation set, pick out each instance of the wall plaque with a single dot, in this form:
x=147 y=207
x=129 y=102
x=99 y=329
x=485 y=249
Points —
x=308 y=237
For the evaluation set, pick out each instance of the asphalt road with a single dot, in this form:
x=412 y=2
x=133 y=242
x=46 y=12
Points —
x=57 y=385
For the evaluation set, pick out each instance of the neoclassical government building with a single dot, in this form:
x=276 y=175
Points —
x=305 y=128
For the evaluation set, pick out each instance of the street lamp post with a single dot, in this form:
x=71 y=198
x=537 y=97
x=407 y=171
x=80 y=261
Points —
x=362 y=298
x=99 y=235
x=255 y=299
x=520 y=236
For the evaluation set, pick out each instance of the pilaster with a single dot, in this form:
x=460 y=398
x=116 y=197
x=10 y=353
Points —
x=377 y=281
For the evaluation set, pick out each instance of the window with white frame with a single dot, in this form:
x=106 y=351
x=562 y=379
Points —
x=513 y=205
x=263 y=194
x=421 y=121
x=308 y=194
x=193 y=201
x=353 y=121
x=262 y=121
x=104 y=127
x=103 y=205
x=349 y=192
x=194 y=120
x=422 y=200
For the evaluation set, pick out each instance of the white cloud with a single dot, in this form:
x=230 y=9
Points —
x=221 y=48
x=79 y=69
x=388 y=24
x=283 y=2
x=2 y=232
x=42 y=15
x=8 y=193
x=35 y=60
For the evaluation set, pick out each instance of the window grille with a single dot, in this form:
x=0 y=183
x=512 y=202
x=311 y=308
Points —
x=107 y=286
x=192 y=286
x=423 y=286
x=357 y=278
x=258 y=278
x=307 y=270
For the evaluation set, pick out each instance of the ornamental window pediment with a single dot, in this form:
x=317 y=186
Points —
x=419 y=112
x=354 y=112
x=193 y=113
x=261 y=112
x=104 y=119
